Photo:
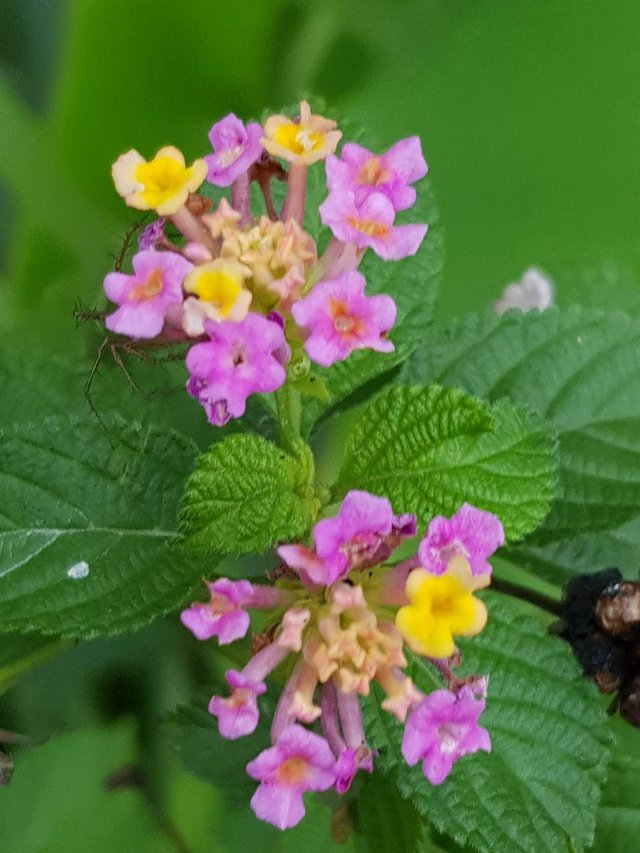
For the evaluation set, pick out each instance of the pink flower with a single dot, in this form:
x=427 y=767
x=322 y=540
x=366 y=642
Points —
x=348 y=763
x=237 y=715
x=342 y=319
x=299 y=761
x=235 y=149
x=150 y=235
x=223 y=616
x=364 y=533
x=145 y=296
x=363 y=172
x=370 y=224
x=238 y=361
x=443 y=728
x=354 y=534
x=471 y=533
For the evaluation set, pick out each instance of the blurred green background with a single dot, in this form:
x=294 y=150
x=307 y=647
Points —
x=529 y=114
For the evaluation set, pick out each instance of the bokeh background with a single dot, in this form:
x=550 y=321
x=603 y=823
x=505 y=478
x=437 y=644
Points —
x=529 y=112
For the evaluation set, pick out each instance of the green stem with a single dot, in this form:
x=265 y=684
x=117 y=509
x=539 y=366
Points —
x=517 y=591
x=289 y=410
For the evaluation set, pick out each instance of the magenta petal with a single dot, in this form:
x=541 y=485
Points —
x=346 y=768
x=305 y=562
x=406 y=160
x=354 y=154
x=200 y=621
x=377 y=208
x=136 y=320
x=341 y=319
x=401 y=242
x=117 y=286
x=239 y=360
x=471 y=533
x=402 y=197
x=236 y=149
x=442 y=729
x=278 y=805
x=232 y=626
x=436 y=767
x=235 y=720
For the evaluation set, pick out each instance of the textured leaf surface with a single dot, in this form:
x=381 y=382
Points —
x=385 y=822
x=430 y=449
x=87 y=527
x=581 y=371
x=618 y=826
x=540 y=785
x=245 y=495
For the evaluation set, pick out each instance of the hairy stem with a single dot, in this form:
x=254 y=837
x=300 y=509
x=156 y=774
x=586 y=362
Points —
x=289 y=410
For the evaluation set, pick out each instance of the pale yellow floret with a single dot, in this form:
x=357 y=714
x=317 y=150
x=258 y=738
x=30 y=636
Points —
x=221 y=294
x=441 y=607
x=162 y=184
x=305 y=141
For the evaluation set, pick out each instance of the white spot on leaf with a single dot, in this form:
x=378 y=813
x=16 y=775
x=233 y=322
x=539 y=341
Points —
x=78 y=570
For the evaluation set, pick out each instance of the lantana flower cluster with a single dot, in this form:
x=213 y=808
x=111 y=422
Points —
x=247 y=287
x=341 y=618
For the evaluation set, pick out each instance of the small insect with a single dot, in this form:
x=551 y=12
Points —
x=120 y=348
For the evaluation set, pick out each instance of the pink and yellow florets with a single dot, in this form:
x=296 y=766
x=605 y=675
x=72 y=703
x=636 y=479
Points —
x=345 y=618
x=243 y=265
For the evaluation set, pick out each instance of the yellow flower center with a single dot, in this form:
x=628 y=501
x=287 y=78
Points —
x=147 y=289
x=297 y=139
x=217 y=287
x=441 y=606
x=292 y=771
x=162 y=178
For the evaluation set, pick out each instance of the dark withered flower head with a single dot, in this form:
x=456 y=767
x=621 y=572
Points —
x=618 y=610
x=580 y=598
x=602 y=657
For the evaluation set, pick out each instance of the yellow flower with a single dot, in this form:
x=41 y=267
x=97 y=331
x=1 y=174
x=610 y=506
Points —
x=305 y=141
x=221 y=294
x=440 y=607
x=162 y=184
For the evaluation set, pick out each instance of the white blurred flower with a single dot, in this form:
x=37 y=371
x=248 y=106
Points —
x=533 y=291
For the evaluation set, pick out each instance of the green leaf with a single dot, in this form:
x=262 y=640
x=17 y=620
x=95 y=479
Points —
x=246 y=494
x=618 y=825
x=220 y=762
x=58 y=800
x=20 y=652
x=88 y=541
x=385 y=822
x=431 y=449
x=581 y=371
x=413 y=283
x=35 y=386
x=540 y=785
